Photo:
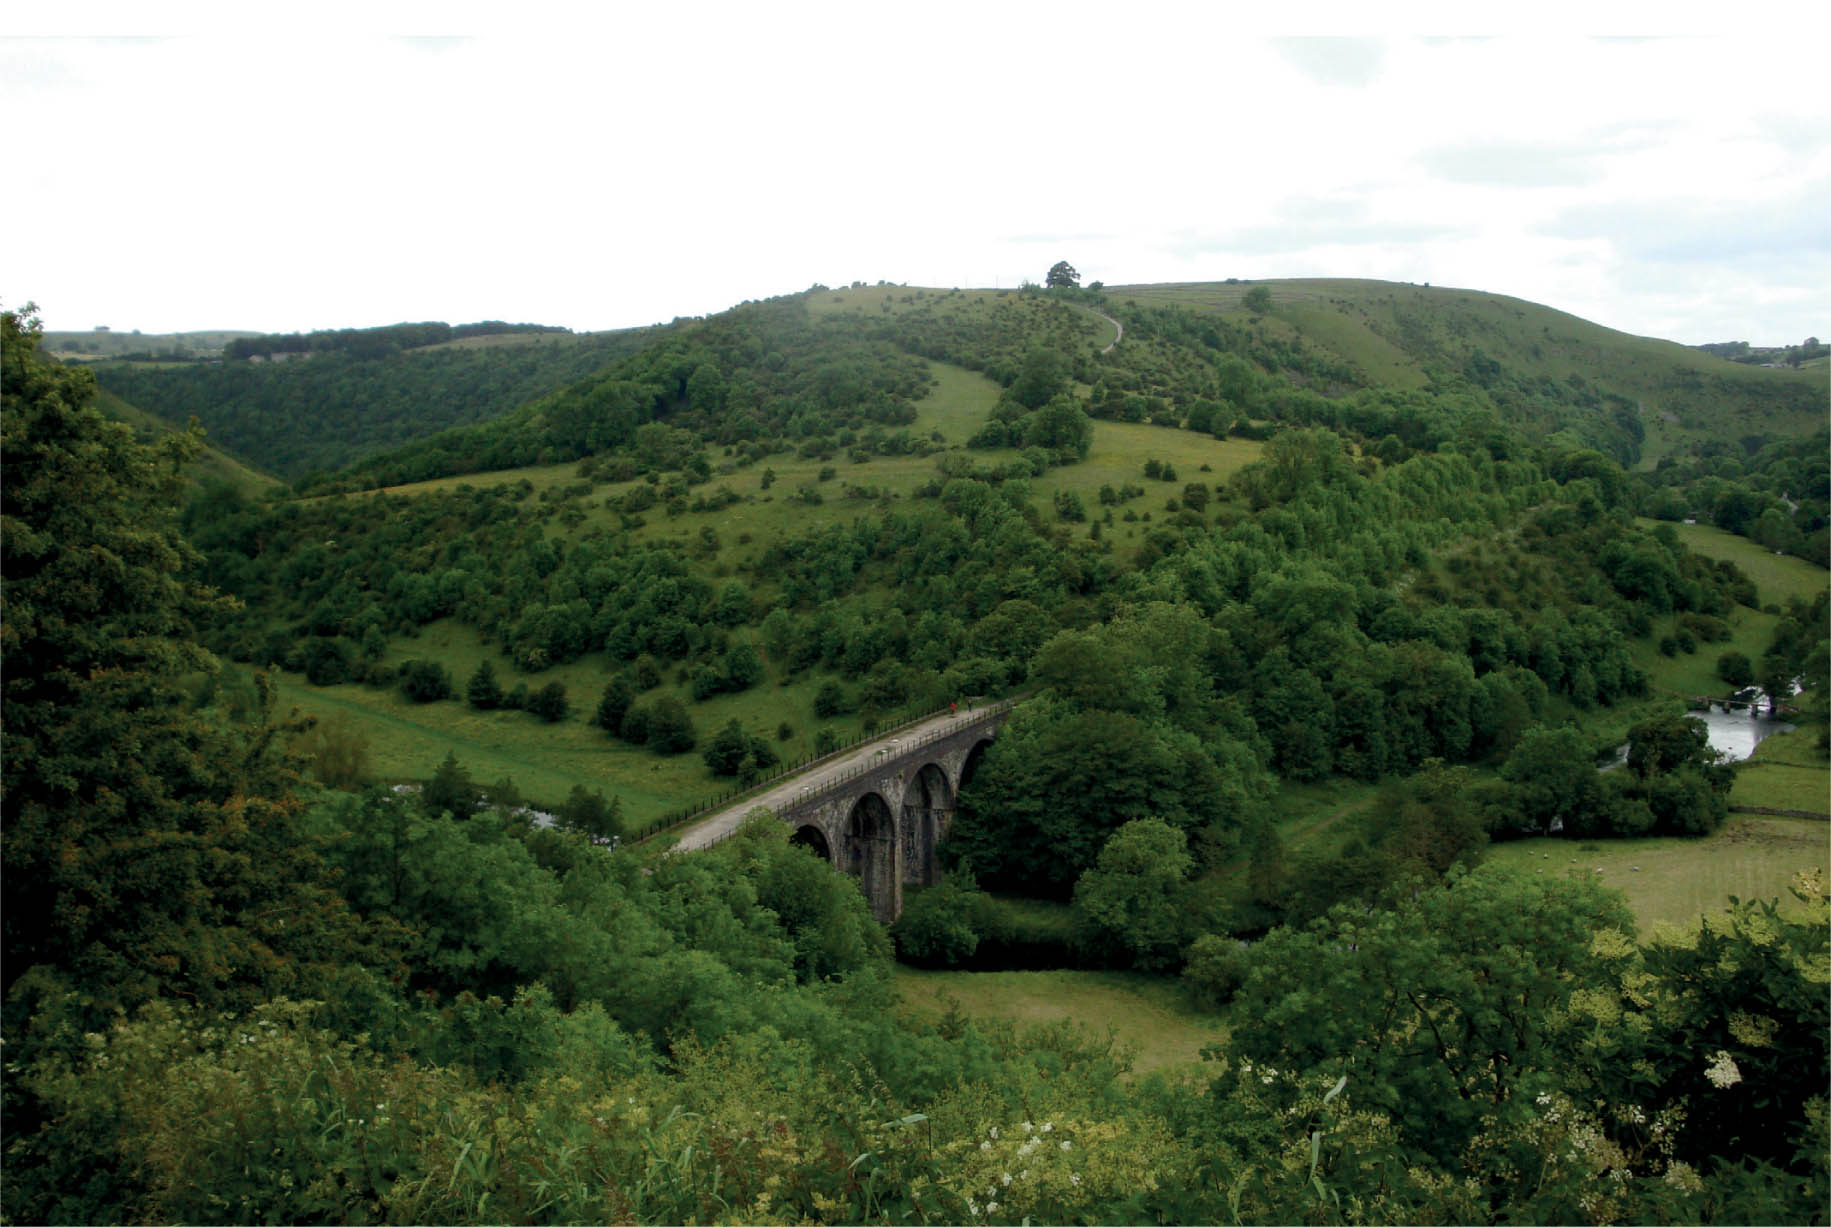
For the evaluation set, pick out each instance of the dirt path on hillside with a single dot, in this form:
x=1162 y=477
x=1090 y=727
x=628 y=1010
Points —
x=1118 y=329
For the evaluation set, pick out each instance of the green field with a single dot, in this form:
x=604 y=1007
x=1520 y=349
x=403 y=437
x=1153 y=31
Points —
x=1786 y=771
x=1149 y=1015
x=407 y=740
x=1695 y=673
x=1778 y=577
x=1674 y=881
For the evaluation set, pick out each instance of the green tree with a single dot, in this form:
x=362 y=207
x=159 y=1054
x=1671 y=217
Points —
x=1042 y=377
x=1552 y=777
x=1667 y=743
x=590 y=813
x=726 y=752
x=550 y=703
x=1134 y=900
x=450 y=790
x=149 y=849
x=1061 y=275
x=1257 y=300
x=1439 y=1005
x=1735 y=669
x=425 y=681
x=614 y=705
x=483 y=692
x=670 y=729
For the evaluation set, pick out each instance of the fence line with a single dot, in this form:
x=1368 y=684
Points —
x=722 y=800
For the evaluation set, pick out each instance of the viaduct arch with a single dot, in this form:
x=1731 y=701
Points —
x=877 y=813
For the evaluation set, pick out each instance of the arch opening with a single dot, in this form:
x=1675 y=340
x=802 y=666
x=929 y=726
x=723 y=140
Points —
x=928 y=806
x=971 y=764
x=814 y=840
x=871 y=854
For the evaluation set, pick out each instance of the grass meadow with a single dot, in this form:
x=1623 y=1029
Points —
x=1786 y=771
x=1151 y=1016
x=1670 y=881
x=1777 y=577
x=1695 y=673
x=406 y=740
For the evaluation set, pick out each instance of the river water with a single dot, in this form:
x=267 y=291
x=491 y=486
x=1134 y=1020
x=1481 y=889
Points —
x=1733 y=734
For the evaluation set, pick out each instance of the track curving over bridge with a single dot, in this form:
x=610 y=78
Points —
x=876 y=812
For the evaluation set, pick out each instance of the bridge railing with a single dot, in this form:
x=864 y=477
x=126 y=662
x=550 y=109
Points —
x=718 y=801
x=814 y=795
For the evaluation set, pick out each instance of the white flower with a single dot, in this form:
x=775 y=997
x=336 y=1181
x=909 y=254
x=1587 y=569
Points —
x=985 y=1146
x=1028 y=1127
x=991 y=1206
x=1544 y=1098
x=1048 y=1127
x=1005 y=1178
x=994 y=1130
x=1722 y=1071
x=1073 y=1178
x=1064 y=1143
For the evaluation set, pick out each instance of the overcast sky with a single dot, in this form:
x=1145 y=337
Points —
x=665 y=163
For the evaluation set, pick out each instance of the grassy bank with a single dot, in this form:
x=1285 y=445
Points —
x=1149 y=1015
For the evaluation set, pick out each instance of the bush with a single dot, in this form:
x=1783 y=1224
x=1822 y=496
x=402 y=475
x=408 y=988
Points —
x=1735 y=669
x=425 y=681
x=943 y=925
x=483 y=691
x=831 y=701
x=1214 y=969
x=549 y=703
x=670 y=729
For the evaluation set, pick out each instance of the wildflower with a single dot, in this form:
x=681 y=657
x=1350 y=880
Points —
x=994 y=1130
x=991 y=1206
x=985 y=1146
x=1722 y=1071
x=1005 y=1179
x=1048 y=1127
x=1544 y=1098
x=1028 y=1127
x=1064 y=1143
x=1074 y=1178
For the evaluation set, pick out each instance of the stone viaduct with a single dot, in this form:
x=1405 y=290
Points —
x=877 y=814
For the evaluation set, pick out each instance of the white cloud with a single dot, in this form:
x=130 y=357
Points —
x=676 y=161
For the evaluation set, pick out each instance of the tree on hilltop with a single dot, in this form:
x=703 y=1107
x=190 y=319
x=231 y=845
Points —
x=1062 y=275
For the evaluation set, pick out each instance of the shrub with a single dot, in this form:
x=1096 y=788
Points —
x=549 y=703
x=425 y=681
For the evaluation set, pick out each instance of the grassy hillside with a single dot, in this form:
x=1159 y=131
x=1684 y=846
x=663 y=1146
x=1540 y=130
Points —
x=98 y=346
x=405 y=740
x=213 y=464
x=1405 y=335
x=1779 y=578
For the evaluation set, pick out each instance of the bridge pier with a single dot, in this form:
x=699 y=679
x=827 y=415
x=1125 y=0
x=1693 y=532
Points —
x=882 y=824
x=877 y=815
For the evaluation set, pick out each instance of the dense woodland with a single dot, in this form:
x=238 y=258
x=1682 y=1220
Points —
x=244 y=982
x=336 y=403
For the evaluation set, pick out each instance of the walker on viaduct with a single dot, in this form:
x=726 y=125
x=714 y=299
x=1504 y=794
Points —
x=878 y=814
